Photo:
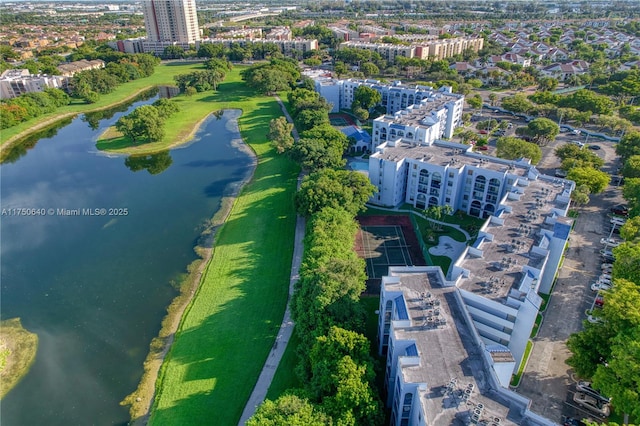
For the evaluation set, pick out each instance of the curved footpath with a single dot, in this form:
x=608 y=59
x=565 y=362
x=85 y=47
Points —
x=261 y=388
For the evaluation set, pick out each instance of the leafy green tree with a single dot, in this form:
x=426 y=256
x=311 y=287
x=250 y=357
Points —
x=629 y=145
x=586 y=100
x=543 y=130
x=166 y=108
x=631 y=168
x=474 y=102
x=631 y=193
x=514 y=148
x=547 y=83
x=315 y=154
x=144 y=123
x=596 y=180
x=627 y=264
x=289 y=410
x=573 y=156
x=580 y=196
x=366 y=97
x=210 y=50
x=310 y=118
x=280 y=134
x=173 y=52
x=369 y=69
x=630 y=231
x=619 y=377
x=333 y=188
x=518 y=103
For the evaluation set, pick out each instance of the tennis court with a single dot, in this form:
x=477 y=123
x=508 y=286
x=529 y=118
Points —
x=338 y=121
x=383 y=246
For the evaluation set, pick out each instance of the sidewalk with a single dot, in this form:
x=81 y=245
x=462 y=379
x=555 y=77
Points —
x=286 y=328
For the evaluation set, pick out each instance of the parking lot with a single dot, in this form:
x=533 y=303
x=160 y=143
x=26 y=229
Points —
x=548 y=381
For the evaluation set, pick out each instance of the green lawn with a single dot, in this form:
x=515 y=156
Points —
x=163 y=75
x=228 y=330
x=285 y=377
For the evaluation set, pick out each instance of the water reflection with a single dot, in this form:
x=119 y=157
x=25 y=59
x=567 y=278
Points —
x=93 y=118
x=154 y=164
x=21 y=147
x=168 y=92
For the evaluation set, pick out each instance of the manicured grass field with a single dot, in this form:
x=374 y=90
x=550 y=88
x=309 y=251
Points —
x=227 y=331
x=163 y=75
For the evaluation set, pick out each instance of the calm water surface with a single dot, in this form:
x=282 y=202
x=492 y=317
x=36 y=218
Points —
x=95 y=288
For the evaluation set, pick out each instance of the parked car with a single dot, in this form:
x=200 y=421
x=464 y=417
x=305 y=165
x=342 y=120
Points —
x=593 y=319
x=592 y=404
x=617 y=220
x=612 y=242
x=620 y=210
x=599 y=302
x=570 y=421
x=597 y=286
x=606 y=266
x=594 y=147
x=483 y=132
x=604 y=276
x=607 y=253
x=482 y=147
x=585 y=387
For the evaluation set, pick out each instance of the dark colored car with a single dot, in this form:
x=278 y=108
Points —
x=620 y=210
x=594 y=147
x=599 y=301
x=570 y=421
x=482 y=147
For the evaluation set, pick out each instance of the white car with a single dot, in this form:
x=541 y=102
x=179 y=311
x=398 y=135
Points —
x=604 y=281
x=606 y=266
x=611 y=242
x=618 y=221
x=597 y=286
x=605 y=276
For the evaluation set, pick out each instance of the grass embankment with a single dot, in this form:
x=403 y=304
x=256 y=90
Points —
x=163 y=75
x=17 y=352
x=227 y=331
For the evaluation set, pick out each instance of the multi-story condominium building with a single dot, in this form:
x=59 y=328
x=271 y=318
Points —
x=479 y=313
x=438 y=49
x=441 y=49
x=439 y=369
x=16 y=82
x=513 y=195
x=279 y=33
x=425 y=120
x=171 y=21
x=388 y=51
x=287 y=47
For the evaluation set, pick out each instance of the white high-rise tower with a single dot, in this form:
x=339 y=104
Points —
x=171 y=21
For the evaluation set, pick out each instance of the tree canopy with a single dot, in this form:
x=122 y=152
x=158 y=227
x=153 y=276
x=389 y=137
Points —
x=513 y=149
x=596 y=180
x=333 y=188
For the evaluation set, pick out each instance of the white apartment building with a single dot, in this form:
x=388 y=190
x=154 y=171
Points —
x=171 y=21
x=17 y=82
x=480 y=313
x=439 y=370
x=388 y=51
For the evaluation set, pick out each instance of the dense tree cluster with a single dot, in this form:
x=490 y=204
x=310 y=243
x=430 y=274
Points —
x=90 y=84
x=146 y=123
x=30 y=105
x=272 y=77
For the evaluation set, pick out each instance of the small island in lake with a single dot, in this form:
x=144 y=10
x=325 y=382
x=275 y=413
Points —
x=17 y=353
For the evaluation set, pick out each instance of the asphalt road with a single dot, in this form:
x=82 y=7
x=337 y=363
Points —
x=548 y=381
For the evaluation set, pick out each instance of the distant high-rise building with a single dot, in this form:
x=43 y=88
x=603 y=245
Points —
x=171 y=21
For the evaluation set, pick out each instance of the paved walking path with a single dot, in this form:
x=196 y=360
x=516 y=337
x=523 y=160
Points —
x=286 y=328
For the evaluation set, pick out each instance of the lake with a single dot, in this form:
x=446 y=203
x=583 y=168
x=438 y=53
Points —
x=91 y=270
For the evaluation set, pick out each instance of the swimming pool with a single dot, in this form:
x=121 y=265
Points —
x=359 y=165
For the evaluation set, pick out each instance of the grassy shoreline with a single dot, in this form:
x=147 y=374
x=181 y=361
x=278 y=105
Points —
x=227 y=329
x=163 y=75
